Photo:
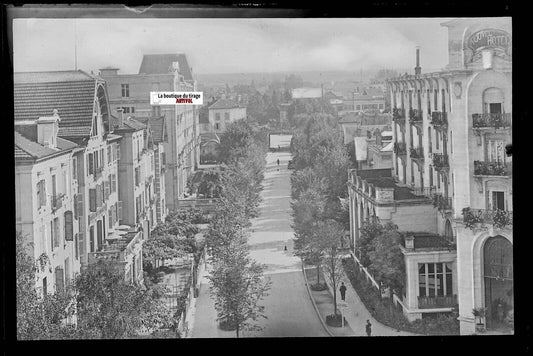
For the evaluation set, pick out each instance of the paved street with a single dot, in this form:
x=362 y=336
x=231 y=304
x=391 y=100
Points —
x=289 y=310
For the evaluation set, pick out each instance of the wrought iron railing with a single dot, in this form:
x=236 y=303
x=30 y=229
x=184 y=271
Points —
x=400 y=148
x=398 y=115
x=417 y=153
x=482 y=168
x=440 y=301
x=499 y=218
x=439 y=119
x=441 y=202
x=440 y=161
x=415 y=116
x=424 y=192
x=501 y=120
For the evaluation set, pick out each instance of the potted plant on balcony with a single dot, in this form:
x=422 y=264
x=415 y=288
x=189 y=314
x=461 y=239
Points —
x=479 y=314
x=501 y=219
x=470 y=219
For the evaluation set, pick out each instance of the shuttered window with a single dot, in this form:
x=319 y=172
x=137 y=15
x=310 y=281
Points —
x=106 y=188
x=60 y=279
x=79 y=206
x=90 y=164
x=98 y=196
x=69 y=226
x=119 y=211
x=92 y=200
x=76 y=246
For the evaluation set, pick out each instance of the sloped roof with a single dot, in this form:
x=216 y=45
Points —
x=374 y=173
x=162 y=64
x=224 y=104
x=157 y=126
x=427 y=240
x=28 y=149
x=365 y=119
x=72 y=93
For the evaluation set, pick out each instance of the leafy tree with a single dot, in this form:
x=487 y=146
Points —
x=369 y=231
x=387 y=262
x=238 y=285
x=331 y=233
x=114 y=309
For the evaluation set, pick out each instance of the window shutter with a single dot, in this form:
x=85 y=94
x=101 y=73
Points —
x=79 y=206
x=119 y=210
x=106 y=188
x=69 y=228
x=109 y=151
x=60 y=282
x=92 y=200
x=118 y=152
x=76 y=245
x=98 y=196
x=114 y=182
x=52 y=238
x=75 y=206
x=56 y=232
x=81 y=242
x=90 y=163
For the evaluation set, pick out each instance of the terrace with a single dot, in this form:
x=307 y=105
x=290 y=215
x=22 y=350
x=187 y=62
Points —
x=491 y=120
x=439 y=120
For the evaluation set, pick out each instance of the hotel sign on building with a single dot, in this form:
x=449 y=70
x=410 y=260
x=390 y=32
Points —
x=488 y=39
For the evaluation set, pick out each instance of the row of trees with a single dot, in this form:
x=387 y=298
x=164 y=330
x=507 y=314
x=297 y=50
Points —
x=104 y=304
x=318 y=185
x=237 y=282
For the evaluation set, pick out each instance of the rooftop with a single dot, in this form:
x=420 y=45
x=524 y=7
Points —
x=224 y=104
x=382 y=178
x=157 y=126
x=366 y=119
x=427 y=240
x=29 y=149
x=162 y=64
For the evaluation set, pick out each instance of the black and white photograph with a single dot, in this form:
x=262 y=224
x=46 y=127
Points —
x=208 y=175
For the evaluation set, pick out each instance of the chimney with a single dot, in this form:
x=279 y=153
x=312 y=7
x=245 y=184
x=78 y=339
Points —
x=47 y=128
x=120 y=117
x=410 y=242
x=418 y=69
x=104 y=72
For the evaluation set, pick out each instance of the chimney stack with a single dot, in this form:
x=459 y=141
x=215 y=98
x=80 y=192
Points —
x=47 y=129
x=418 y=69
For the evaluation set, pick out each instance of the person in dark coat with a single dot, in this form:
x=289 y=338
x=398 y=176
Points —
x=343 y=291
x=278 y=161
x=368 y=328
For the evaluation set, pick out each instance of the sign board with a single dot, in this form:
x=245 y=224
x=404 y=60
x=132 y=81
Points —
x=499 y=41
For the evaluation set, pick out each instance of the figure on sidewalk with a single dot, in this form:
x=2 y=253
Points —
x=278 y=161
x=285 y=248
x=368 y=328
x=343 y=291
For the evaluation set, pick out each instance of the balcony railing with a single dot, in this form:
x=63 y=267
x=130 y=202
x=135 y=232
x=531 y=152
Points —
x=415 y=116
x=56 y=201
x=398 y=115
x=441 y=202
x=424 y=192
x=400 y=148
x=441 y=301
x=482 y=168
x=439 y=119
x=496 y=121
x=440 y=161
x=417 y=153
x=499 y=218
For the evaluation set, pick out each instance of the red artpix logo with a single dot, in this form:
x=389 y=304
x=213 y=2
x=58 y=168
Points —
x=176 y=98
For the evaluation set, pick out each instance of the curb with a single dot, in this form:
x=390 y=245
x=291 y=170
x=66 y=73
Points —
x=314 y=304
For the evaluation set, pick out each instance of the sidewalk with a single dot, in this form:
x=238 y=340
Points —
x=357 y=314
x=323 y=301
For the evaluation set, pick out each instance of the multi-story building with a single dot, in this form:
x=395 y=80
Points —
x=363 y=125
x=450 y=131
x=363 y=101
x=162 y=72
x=136 y=175
x=46 y=214
x=82 y=105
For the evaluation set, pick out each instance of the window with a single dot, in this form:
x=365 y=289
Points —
x=69 y=228
x=498 y=200
x=156 y=110
x=137 y=176
x=96 y=164
x=434 y=279
x=60 y=282
x=76 y=248
x=54 y=229
x=443 y=92
x=217 y=116
x=430 y=176
x=119 y=211
x=429 y=101
x=125 y=90
x=54 y=187
x=67 y=271
x=74 y=168
x=437 y=139
x=91 y=238
x=430 y=144
x=90 y=163
x=92 y=200
x=99 y=235
x=496 y=151
x=226 y=116
x=435 y=97
x=109 y=155
x=45 y=287
x=41 y=192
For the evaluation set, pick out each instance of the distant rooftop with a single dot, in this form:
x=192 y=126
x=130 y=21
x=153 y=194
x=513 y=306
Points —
x=224 y=104
x=162 y=64
x=26 y=148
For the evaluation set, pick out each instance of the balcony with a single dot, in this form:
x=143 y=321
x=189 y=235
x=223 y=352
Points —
x=502 y=169
x=441 y=202
x=497 y=121
x=499 y=218
x=424 y=192
x=56 y=201
x=415 y=116
x=435 y=302
x=400 y=148
x=439 y=120
x=398 y=115
x=440 y=161
x=417 y=153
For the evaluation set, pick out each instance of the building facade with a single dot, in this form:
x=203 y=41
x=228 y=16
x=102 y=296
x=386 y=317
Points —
x=162 y=72
x=451 y=129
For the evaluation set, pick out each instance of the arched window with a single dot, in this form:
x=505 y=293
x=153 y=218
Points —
x=448 y=232
x=493 y=100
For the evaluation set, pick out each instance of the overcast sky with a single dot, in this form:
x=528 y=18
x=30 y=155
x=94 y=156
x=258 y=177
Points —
x=231 y=45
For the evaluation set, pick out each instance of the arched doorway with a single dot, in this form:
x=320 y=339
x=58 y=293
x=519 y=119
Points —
x=498 y=279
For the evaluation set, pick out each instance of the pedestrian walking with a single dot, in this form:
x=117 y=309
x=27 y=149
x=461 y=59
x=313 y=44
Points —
x=343 y=291
x=368 y=328
x=278 y=161
x=285 y=248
